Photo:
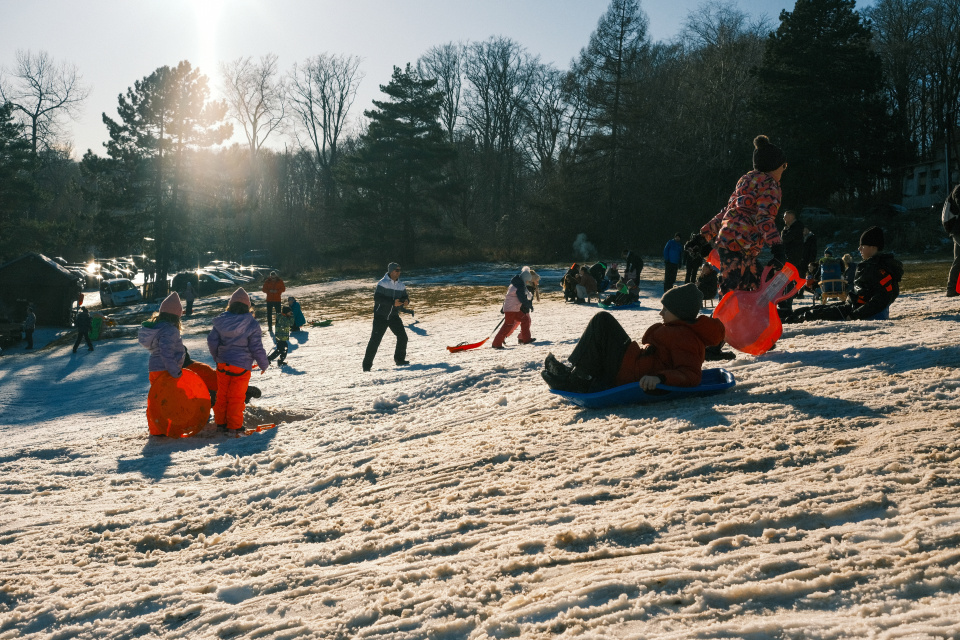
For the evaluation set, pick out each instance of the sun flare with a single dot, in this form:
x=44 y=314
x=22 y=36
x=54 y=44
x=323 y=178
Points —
x=208 y=14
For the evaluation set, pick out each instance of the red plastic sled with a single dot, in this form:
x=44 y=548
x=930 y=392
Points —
x=178 y=407
x=464 y=347
x=750 y=317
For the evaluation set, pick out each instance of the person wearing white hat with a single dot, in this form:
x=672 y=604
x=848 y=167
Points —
x=389 y=297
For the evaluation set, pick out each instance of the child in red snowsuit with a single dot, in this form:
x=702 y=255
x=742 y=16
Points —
x=517 y=306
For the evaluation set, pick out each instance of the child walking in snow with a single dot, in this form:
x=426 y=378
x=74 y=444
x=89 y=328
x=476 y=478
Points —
x=284 y=323
x=517 y=306
x=235 y=343
x=673 y=351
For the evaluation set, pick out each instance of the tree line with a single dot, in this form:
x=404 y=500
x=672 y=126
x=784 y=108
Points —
x=480 y=150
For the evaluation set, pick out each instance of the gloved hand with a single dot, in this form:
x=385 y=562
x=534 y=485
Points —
x=525 y=308
x=698 y=247
x=779 y=255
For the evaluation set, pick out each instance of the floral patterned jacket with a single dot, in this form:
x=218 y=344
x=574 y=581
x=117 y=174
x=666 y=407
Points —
x=749 y=219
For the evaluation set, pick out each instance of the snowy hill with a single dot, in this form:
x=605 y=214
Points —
x=457 y=498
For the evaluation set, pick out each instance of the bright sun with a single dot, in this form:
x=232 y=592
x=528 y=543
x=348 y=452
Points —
x=207 y=13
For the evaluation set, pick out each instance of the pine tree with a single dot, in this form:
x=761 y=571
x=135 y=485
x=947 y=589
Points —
x=820 y=97
x=399 y=172
x=162 y=118
x=16 y=186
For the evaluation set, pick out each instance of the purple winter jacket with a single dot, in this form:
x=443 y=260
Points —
x=235 y=340
x=165 y=345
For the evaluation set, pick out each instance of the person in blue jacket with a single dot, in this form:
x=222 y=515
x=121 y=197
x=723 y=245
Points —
x=672 y=256
x=389 y=297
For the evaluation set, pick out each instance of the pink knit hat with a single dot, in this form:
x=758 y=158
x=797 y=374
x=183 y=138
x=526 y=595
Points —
x=172 y=304
x=239 y=296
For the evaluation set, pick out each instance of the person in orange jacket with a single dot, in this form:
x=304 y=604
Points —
x=273 y=286
x=672 y=352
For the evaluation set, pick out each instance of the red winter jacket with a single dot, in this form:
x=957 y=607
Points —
x=674 y=350
x=274 y=289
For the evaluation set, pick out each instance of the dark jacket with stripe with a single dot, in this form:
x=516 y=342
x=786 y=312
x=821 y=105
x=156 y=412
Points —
x=383 y=298
x=875 y=286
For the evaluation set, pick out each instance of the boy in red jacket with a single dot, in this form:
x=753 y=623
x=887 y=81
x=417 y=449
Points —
x=672 y=353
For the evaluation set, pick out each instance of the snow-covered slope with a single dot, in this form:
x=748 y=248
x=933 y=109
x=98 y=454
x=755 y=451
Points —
x=457 y=498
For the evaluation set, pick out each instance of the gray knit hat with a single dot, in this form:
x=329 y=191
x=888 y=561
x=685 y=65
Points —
x=684 y=301
x=393 y=266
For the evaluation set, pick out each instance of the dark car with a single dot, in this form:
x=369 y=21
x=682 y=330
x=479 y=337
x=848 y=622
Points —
x=203 y=283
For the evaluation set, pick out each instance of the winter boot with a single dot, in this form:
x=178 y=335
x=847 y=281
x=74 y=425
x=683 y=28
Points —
x=555 y=367
x=712 y=354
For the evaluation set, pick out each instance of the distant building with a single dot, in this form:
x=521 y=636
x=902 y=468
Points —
x=926 y=184
x=35 y=278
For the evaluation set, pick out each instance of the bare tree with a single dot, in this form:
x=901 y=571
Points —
x=43 y=92
x=321 y=93
x=547 y=115
x=444 y=63
x=256 y=96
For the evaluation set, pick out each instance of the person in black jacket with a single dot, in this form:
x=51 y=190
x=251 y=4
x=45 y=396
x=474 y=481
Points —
x=633 y=266
x=83 y=329
x=792 y=239
x=389 y=297
x=876 y=285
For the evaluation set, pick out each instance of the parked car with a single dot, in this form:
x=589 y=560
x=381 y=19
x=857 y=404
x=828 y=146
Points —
x=226 y=274
x=203 y=283
x=119 y=291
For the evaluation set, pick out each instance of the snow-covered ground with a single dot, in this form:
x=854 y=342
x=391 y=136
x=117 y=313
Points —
x=457 y=498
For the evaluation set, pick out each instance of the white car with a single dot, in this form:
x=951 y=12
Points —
x=117 y=292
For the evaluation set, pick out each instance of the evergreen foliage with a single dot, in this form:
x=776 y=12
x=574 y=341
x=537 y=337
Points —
x=398 y=173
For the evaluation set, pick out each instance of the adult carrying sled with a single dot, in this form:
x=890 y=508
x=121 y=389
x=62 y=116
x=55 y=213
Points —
x=712 y=381
x=463 y=346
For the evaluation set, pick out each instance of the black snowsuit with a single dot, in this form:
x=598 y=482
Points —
x=83 y=325
x=875 y=287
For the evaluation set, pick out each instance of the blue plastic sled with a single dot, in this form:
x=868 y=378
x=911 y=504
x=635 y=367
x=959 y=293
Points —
x=617 y=307
x=713 y=381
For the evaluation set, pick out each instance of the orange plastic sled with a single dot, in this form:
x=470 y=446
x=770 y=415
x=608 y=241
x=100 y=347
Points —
x=207 y=373
x=750 y=317
x=177 y=407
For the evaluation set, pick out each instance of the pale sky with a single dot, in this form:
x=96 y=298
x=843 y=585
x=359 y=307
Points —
x=115 y=42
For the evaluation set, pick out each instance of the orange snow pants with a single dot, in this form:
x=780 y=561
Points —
x=231 y=395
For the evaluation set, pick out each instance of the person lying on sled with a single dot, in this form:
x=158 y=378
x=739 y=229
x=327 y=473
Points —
x=673 y=351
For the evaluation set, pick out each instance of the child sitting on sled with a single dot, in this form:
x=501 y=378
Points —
x=673 y=351
x=235 y=343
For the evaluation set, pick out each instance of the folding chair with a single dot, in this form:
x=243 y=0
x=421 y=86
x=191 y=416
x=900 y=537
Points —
x=832 y=284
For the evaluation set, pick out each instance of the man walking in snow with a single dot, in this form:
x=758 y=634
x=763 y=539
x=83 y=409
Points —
x=389 y=297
